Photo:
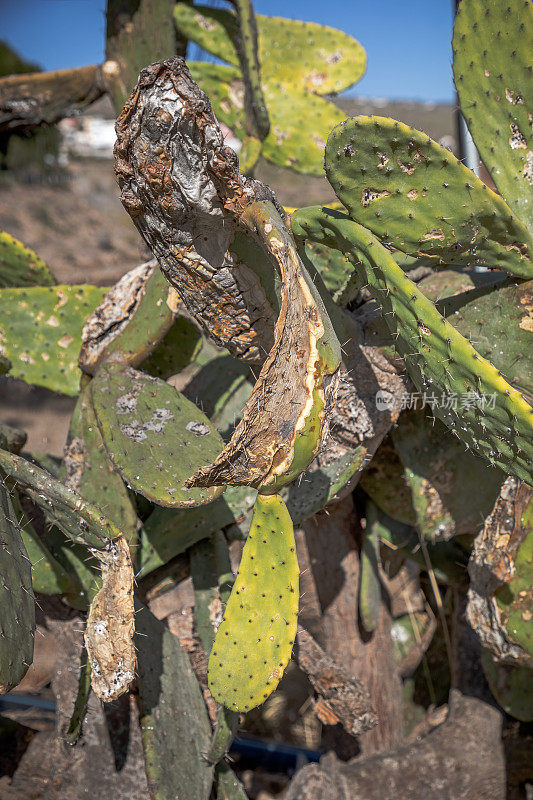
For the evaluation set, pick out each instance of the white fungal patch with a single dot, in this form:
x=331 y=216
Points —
x=126 y=403
x=198 y=428
x=159 y=419
x=134 y=430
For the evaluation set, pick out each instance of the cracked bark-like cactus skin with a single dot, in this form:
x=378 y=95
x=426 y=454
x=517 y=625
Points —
x=286 y=415
x=416 y=197
x=494 y=78
x=254 y=641
x=131 y=320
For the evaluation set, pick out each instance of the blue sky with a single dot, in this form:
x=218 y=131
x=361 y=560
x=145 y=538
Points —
x=407 y=42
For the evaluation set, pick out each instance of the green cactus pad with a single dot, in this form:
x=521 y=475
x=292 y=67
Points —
x=318 y=487
x=384 y=482
x=205 y=582
x=229 y=786
x=17 y=606
x=47 y=574
x=494 y=81
x=90 y=473
x=40 y=333
x=510 y=685
x=214 y=29
x=515 y=599
x=336 y=271
x=20 y=266
x=221 y=388
x=452 y=489
x=317 y=60
x=79 y=520
x=155 y=437
x=439 y=360
x=416 y=197
x=443 y=284
x=254 y=642
x=168 y=532
x=174 y=723
x=212 y=581
x=74 y=729
x=448 y=559
x=369 y=583
x=79 y=564
x=499 y=322
x=178 y=348
x=225 y=727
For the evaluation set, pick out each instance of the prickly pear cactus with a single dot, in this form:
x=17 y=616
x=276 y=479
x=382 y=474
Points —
x=17 y=606
x=254 y=641
x=510 y=685
x=82 y=522
x=20 y=266
x=500 y=597
x=416 y=197
x=369 y=582
x=110 y=624
x=335 y=270
x=40 y=333
x=174 y=723
x=153 y=435
x=283 y=421
x=89 y=472
x=130 y=321
x=48 y=576
x=452 y=489
x=500 y=322
x=492 y=71
x=439 y=360
x=317 y=60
